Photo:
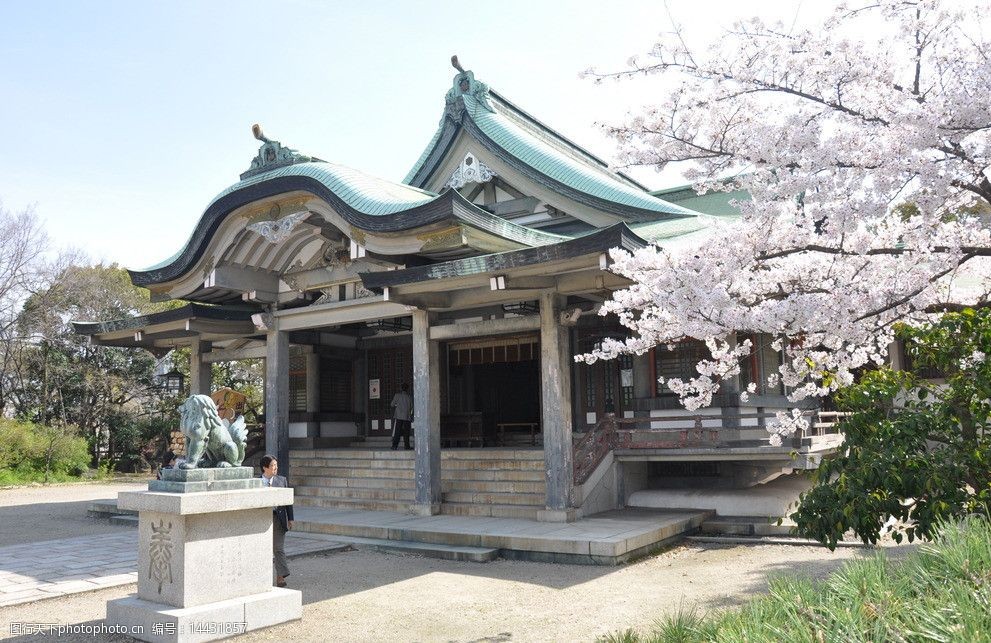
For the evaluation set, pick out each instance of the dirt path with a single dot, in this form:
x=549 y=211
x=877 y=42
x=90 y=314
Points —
x=368 y=596
x=32 y=514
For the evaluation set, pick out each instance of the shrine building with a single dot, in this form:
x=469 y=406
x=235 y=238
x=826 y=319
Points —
x=475 y=280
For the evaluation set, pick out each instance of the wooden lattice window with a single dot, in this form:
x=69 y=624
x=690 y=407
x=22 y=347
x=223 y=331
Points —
x=625 y=363
x=678 y=362
x=297 y=384
x=763 y=361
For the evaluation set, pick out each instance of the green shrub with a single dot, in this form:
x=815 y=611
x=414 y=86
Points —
x=942 y=592
x=37 y=453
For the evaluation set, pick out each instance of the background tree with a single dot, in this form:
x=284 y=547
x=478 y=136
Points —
x=25 y=269
x=68 y=380
x=829 y=129
x=915 y=451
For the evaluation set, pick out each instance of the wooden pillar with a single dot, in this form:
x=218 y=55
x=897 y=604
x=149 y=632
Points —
x=555 y=392
x=200 y=372
x=426 y=416
x=277 y=397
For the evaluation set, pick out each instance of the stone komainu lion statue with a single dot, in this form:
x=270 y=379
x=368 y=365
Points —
x=210 y=441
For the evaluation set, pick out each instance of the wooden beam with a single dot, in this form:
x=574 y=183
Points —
x=529 y=283
x=241 y=279
x=339 y=312
x=230 y=355
x=482 y=328
x=423 y=301
x=326 y=276
x=260 y=297
x=220 y=327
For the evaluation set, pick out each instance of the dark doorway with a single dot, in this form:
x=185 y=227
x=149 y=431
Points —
x=495 y=383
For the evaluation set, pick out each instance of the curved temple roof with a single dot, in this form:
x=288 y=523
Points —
x=532 y=148
x=364 y=201
x=376 y=205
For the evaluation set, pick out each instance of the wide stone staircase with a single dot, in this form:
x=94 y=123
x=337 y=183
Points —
x=503 y=483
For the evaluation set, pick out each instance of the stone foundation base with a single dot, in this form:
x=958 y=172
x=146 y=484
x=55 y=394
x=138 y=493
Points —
x=424 y=510
x=148 y=621
x=557 y=515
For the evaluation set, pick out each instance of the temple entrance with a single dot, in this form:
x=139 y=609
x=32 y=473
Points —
x=388 y=369
x=493 y=392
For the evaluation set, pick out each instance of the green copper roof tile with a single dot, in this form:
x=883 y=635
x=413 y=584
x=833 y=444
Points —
x=715 y=203
x=566 y=169
x=423 y=157
x=670 y=228
x=365 y=193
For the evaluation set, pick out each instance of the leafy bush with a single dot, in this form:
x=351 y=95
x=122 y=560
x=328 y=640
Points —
x=942 y=592
x=37 y=453
x=914 y=449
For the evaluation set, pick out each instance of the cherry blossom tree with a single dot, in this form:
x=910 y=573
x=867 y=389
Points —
x=865 y=144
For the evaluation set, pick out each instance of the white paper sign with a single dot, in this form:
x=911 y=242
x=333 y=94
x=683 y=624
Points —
x=374 y=391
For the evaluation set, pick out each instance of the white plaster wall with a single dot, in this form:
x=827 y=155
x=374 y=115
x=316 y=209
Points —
x=774 y=499
x=297 y=429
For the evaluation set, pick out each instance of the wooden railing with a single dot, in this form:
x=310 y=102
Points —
x=714 y=431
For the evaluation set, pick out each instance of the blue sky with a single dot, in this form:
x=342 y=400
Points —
x=121 y=120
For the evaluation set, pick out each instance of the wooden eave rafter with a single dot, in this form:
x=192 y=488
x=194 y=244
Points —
x=574 y=276
x=168 y=329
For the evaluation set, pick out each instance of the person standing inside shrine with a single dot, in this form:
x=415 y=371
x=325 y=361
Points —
x=282 y=518
x=402 y=413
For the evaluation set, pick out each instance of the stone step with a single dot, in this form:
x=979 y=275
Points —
x=356 y=493
x=356 y=454
x=124 y=520
x=356 y=463
x=492 y=454
x=107 y=509
x=360 y=482
x=427 y=550
x=350 y=472
x=446 y=463
x=493 y=475
x=492 y=465
x=446 y=454
x=536 y=455
x=456 y=475
x=454 y=486
x=494 y=486
x=520 y=499
x=343 y=503
x=746 y=526
x=495 y=511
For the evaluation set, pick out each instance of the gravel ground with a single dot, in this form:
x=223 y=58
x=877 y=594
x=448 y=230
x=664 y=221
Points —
x=369 y=596
x=36 y=513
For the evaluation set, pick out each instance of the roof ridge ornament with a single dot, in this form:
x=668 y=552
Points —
x=272 y=155
x=464 y=84
x=276 y=229
x=471 y=170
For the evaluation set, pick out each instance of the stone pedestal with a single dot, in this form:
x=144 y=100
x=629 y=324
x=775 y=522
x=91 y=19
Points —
x=205 y=559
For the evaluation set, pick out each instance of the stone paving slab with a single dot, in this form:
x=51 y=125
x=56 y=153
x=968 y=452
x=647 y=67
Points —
x=35 y=571
x=606 y=538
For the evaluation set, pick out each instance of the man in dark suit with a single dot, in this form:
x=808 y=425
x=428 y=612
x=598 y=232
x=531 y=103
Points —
x=282 y=518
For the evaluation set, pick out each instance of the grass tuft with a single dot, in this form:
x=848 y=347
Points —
x=942 y=592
